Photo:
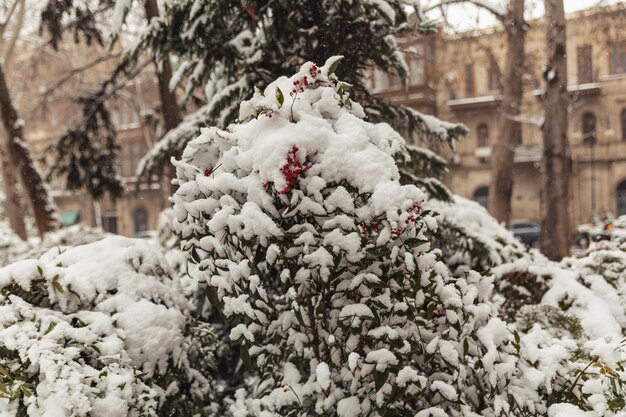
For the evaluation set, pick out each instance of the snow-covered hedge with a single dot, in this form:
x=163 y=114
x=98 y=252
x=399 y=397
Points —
x=98 y=330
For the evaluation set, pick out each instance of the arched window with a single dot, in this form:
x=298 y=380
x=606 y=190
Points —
x=623 y=124
x=589 y=128
x=620 y=196
x=483 y=135
x=141 y=220
x=481 y=196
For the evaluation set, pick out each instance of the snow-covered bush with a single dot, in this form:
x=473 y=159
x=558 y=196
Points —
x=297 y=221
x=572 y=318
x=471 y=239
x=99 y=330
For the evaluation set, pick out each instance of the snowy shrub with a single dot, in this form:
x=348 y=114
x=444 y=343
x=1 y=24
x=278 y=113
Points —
x=572 y=320
x=297 y=221
x=99 y=330
x=471 y=239
x=225 y=372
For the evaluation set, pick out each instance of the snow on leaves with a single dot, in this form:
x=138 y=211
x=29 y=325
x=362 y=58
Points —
x=96 y=330
x=319 y=255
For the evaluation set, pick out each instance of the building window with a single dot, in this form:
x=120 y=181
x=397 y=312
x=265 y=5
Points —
x=589 y=128
x=481 y=196
x=469 y=80
x=620 y=195
x=109 y=222
x=585 y=64
x=483 y=135
x=617 y=58
x=416 y=68
x=133 y=151
x=623 y=124
x=493 y=78
x=141 y=220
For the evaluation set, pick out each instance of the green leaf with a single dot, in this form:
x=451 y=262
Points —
x=378 y=252
x=616 y=404
x=50 y=328
x=279 y=96
x=57 y=285
x=39 y=270
x=334 y=65
x=414 y=242
x=346 y=86
x=245 y=356
x=25 y=391
x=3 y=390
x=380 y=378
x=298 y=315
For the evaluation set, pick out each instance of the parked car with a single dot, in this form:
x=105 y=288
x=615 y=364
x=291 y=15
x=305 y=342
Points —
x=527 y=231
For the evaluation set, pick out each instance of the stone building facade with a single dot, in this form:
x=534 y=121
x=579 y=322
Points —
x=461 y=83
x=33 y=73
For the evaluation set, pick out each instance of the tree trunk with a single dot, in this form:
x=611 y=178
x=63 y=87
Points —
x=169 y=104
x=503 y=151
x=13 y=206
x=32 y=183
x=556 y=153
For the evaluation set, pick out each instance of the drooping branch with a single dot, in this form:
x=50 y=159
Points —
x=86 y=153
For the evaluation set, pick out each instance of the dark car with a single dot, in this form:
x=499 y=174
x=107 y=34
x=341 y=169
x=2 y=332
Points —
x=527 y=231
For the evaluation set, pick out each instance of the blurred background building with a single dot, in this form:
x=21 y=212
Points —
x=456 y=76
x=39 y=71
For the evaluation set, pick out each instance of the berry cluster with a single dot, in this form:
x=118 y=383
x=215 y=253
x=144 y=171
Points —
x=415 y=209
x=207 y=172
x=365 y=229
x=292 y=170
x=299 y=85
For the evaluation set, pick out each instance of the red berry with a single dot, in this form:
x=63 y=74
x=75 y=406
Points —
x=207 y=172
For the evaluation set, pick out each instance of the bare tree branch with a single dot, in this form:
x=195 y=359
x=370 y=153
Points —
x=478 y=3
x=19 y=23
x=49 y=91
x=5 y=22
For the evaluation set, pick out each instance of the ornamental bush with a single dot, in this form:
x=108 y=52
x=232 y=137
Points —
x=100 y=330
x=296 y=219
